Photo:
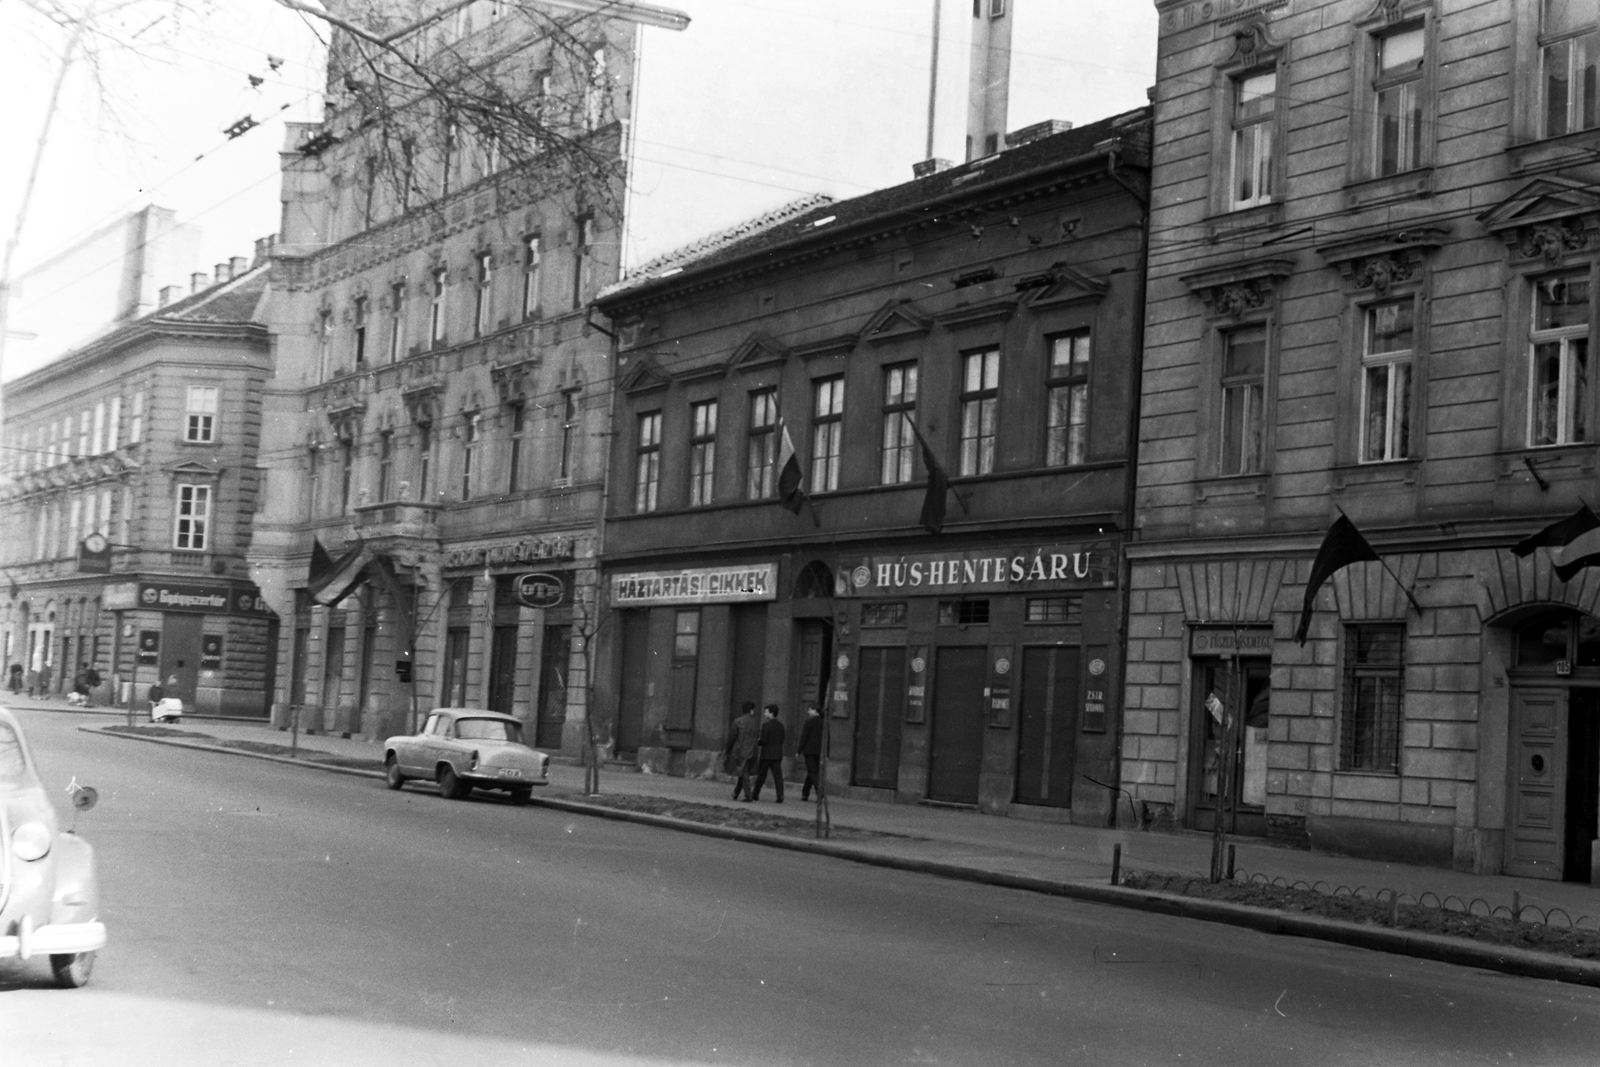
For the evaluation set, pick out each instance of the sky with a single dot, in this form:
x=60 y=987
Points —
x=757 y=103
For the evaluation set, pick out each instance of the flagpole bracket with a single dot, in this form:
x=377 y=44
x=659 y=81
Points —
x=1544 y=486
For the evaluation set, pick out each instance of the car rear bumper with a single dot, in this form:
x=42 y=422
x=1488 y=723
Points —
x=55 y=939
x=490 y=781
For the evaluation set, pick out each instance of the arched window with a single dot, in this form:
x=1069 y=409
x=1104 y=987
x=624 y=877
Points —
x=815 y=580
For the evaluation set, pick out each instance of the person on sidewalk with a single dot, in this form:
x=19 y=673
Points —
x=740 y=755
x=15 y=676
x=33 y=681
x=770 y=754
x=157 y=695
x=810 y=748
x=44 y=682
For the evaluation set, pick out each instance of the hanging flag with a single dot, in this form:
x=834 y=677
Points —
x=1559 y=534
x=791 y=481
x=932 y=517
x=331 y=580
x=1582 y=551
x=1341 y=546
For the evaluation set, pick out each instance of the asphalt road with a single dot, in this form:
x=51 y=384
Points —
x=263 y=914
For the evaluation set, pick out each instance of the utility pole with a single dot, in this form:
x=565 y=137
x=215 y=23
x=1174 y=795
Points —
x=933 y=80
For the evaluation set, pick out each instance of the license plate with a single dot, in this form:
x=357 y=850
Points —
x=510 y=772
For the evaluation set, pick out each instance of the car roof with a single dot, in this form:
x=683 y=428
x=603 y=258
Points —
x=474 y=713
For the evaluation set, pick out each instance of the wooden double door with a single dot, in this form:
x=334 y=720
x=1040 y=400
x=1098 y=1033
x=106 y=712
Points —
x=1554 y=811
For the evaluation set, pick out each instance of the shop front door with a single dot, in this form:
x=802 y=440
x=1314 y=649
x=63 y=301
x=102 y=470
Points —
x=958 y=706
x=180 y=656
x=503 y=669
x=553 y=686
x=880 y=708
x=1046 y=747
x=1221 y=690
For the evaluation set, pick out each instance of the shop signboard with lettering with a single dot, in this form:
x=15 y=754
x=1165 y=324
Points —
x=696 y=585
x=212 y=599
x=1019 y=569
x=540 y=590
x=527 y=550
x=1230 y=641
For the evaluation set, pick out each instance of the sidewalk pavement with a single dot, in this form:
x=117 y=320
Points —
x=1017 y=851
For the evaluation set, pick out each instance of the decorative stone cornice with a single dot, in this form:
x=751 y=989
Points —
x=1547 y=218
x=1233 y=290
x=1381 y=259
x=514 y=382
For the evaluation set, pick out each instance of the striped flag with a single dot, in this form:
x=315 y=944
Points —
x=331 y=580
x=791 y=480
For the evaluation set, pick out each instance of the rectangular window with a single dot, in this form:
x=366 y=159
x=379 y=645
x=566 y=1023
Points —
x=980 y=403
x=647 y=465
x=103 y=528
x=890 y=614
x=761 y=445
x=436 y=309
x=963 y=613
x=531 y=256
x=347 y=473
x=594 y=93
x=361 y=330
x=1056 y=609
x=99 y=445
x=385 y=466
x=483 y=305
x=1397 y=91
x=827 y=433
x=1386 y=382
x=1254 y=107
x=424 y=461
x=74 y=521
x=193 y=518
x=114 y=425
x=899 y=441
x=136 y=430
x=469 y=452
x=1374 y=679
x=1569 y=66
x=569 y=435
x=702 y=452
x=84 y=422
x=324 y=343
x=1559 y=349
x=397 y=321
x=519 y=428
x=1244 y=373
x=1067 y=401
x=200 y=411
x=583 y=243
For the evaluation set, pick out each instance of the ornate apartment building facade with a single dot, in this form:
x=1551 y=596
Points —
x=990 y=309
x=1372 y=283
x=440 y=398
x=130 y=483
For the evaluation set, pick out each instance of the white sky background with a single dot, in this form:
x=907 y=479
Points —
x=757 y=103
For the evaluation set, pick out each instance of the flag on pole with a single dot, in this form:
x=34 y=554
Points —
x=1582 y=551
x=791 y=480
x=1341 y=546
x=932 y=517
x=1559 y=534
x=331 y=580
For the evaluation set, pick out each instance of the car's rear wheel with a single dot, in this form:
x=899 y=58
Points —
x=391 y=773
x=72 y=969
x=521 y=795
x=451 y=787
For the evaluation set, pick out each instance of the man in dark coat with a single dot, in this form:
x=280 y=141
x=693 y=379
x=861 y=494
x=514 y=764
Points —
x=740 y=755
x=770 y=755
x=810 y=747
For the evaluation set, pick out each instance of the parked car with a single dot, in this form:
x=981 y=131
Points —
x=49 y=898
x=463 y=749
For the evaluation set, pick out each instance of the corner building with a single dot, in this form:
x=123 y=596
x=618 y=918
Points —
x=1372 y=287
x=994 y=309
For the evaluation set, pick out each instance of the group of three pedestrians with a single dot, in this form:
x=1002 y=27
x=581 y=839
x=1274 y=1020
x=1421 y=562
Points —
x=755 y=749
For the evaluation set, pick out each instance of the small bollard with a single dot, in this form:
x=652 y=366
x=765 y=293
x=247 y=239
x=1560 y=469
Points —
x=1230 y=862
x=1116 y=863
x=1516 y=906
x=1394 y=908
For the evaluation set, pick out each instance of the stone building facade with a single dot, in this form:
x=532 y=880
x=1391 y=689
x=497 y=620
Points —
x=992 y=309
x=129 y=486
x=1372 y=279
x=441 y=398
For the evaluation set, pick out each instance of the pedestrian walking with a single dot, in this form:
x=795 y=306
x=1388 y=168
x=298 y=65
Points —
x=15 y=674
x=44 y=682
x=157 y=695
x=809 y=747
x=91 y=682
x=740 y=755
x=769 y=756
x=33 y=682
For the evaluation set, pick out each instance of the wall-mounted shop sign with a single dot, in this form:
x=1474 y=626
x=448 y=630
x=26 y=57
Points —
x=696 y=585
x=540 y=590
x=149 y=647
x=123 y=596
x=211 y=652
x=1228 y=641
x=528 y=550
x=1029 y=568
x=209 y=598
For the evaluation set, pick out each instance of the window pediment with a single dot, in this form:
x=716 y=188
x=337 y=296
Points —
x=1547 y=218
x=1380 y=259
x=1238 y=288
x=644 y=377
x=895 y=321
x=513 y=381
x=758 y=350
x=1061 y=284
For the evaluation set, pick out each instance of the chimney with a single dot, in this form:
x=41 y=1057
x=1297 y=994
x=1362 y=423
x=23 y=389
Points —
x=237 y=266
x=1029 y=134
x=930 y=166
x=168 y=294
x=989 y=78
x=198 y=281
x=221 y=273
x=264 y=247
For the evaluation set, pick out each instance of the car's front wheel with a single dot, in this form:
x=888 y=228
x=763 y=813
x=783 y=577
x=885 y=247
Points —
x=391 y=773
x=72 y=969
x=451 y=787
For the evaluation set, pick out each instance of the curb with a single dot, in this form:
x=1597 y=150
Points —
x=1441 y=949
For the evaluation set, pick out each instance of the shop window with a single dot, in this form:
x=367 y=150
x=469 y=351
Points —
x=1371 y=709
x=827 y=433
x=1055 y=609
x=980 y=404
x=1559 y=360
x=647 y=462
x=1386 y=366
x=761 y=445
x=1244 y=368
x=891 y=614
x=1569 y=58
x=899 y=408
x=686 y=635
x=1067 y=400
x=702 y=452
x=1253 y=108
x=963 y=613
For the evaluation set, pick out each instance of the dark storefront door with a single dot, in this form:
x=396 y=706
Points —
x=454 y=691
x=749 y=656
x=553 y=686
x=635 y=672
x=816 y=657
x=1216 y=696
x=958 y=681
x=180 y=656
x=1583 y=782
x=503 y=669
x=880 y=708
x=1050 y=696
x=369 y=649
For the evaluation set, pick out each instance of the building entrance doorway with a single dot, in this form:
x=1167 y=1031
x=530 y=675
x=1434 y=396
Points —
x=1049 y=721
x=1223 y=688
x=958 y=707
x=880 y=708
